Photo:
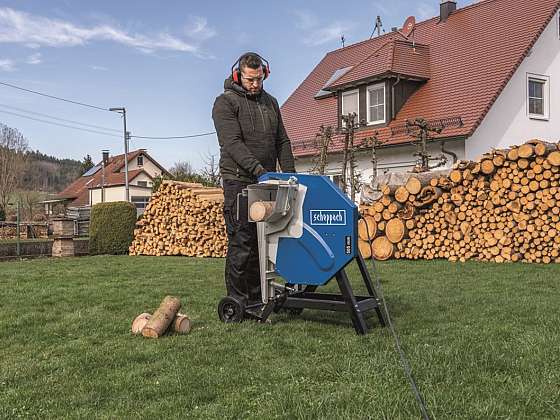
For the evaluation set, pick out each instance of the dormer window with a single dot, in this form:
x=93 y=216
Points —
x=375 y=100
x=350 y=103
x=140 y=160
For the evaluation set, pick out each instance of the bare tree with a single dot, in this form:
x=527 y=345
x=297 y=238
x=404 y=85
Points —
x=30 y=203
x=322 y=141
x=211 y=170
x=13 y=146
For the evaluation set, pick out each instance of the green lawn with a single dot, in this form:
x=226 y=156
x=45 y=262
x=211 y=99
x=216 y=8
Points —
x=483 y=341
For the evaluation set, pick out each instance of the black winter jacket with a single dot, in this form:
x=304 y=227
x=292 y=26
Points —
x=251 y=134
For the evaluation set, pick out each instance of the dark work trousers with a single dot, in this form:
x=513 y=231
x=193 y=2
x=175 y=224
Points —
x=242 y=261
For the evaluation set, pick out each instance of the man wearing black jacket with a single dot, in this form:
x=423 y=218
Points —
x=253 y=141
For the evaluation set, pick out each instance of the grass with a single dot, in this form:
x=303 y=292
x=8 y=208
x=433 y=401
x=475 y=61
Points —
x=482 y=340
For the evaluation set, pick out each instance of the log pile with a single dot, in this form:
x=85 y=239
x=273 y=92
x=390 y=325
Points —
x=503 y=207
x=182 y=219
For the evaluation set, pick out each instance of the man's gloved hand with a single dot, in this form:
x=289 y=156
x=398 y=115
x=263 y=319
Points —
x=259 y=171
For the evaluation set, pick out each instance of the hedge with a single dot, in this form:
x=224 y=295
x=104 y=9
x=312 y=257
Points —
x=111 y=228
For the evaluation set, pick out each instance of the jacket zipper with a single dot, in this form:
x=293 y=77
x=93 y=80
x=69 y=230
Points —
x=262 y=115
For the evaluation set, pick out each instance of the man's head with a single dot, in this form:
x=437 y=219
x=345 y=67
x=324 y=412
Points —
x=251 y=73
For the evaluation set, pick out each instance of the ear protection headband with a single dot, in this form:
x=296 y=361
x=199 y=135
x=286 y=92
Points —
x=236 y=71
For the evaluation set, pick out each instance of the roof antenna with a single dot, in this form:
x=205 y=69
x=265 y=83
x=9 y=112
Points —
x=342 y=40
x=378 y=27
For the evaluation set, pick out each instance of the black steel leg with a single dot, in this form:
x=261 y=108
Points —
x=357 y=317
x=370 y=288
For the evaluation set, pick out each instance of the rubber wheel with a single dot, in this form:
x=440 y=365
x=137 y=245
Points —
x=231 y=310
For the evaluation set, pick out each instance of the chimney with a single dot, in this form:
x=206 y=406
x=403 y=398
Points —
x=446 y=7
x=105 y=154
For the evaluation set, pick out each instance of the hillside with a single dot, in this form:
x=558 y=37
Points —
x=48 y=173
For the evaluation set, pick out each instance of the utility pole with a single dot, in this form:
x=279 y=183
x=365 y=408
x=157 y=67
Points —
x=122 y=111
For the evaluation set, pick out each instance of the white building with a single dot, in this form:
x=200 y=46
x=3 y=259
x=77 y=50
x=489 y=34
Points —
x=488 y=73
x=106 y=183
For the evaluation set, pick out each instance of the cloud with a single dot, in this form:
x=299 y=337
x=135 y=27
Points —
x=36 y=31
x=316 y=34
x=7 y=65
x=34 y=59
x=198 y=28
x=426 y=11
x=98 y=68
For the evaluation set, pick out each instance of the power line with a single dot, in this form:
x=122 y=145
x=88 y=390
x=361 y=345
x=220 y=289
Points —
x=60 y=125
x=54 y=97
x=58 y=119
x=175 y=137
x=76 y=122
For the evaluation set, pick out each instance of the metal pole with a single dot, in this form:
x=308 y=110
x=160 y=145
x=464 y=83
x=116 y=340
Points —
x=18 y=244
x=122 y=111
x=126 y=134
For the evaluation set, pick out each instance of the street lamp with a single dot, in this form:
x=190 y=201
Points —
x=122 y=111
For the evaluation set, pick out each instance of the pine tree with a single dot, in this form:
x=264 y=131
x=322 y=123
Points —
x=87 y=164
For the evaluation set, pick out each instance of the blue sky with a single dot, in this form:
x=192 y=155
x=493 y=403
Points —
x=164 y=61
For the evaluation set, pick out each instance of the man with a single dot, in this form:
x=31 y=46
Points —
x=252 y=141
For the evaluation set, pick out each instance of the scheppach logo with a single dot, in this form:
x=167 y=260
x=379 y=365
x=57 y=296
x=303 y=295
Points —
x=328 y=217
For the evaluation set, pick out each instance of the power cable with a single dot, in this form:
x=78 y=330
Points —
x=175 y=137
x=58 y=118
x=54 y=97
x=89 y=106
x=404 y=361
x=60 y=125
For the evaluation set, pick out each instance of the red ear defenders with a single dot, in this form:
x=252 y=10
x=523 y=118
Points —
x=236 y=72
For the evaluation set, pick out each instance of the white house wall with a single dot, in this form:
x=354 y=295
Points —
x=148 y=166
x=507 y=123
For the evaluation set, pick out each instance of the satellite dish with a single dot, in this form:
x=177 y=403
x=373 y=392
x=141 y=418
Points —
x=408 y=26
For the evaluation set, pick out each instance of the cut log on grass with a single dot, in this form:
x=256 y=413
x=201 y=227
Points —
x=162 y=318
x=140 y=322
x=182 y=324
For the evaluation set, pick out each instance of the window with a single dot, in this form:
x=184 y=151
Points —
x=139 y=201
x=351 y=103
x=538 y=96
x=140 y=160
x=375 y=100
x=142 y=183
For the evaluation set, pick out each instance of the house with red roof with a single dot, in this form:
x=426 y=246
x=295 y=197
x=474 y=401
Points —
x=105 y=182
x=488 y=74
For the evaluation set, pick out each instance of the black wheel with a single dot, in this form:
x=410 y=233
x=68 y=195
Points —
x=231 y=310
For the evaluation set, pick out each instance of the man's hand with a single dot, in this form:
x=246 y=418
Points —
x=259 y=171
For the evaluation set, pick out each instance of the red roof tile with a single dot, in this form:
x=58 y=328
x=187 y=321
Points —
x=393 y=57
x=471 y=58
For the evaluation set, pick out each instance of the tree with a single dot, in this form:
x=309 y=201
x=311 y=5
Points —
x=211 y=170
x=87 y=164
x=29 y=200
x=13 y=147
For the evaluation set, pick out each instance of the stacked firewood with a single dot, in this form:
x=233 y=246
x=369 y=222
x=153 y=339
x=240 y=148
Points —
x=503 y=207
x=182 y=219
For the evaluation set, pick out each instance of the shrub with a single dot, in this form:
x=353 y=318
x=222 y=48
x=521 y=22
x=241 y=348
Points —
x=111 y=228
x=2 y=214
